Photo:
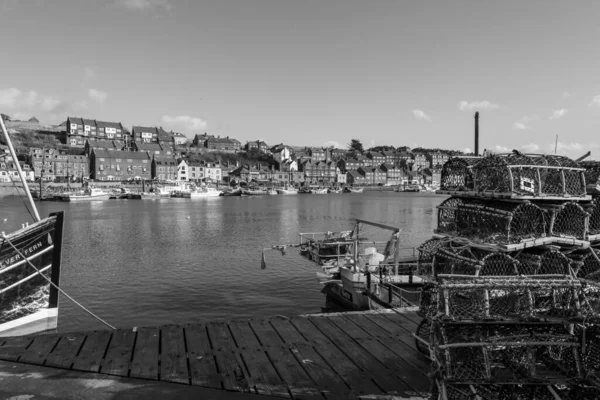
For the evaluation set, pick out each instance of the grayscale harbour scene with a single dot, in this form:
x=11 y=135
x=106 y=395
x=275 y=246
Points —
x=317 y=199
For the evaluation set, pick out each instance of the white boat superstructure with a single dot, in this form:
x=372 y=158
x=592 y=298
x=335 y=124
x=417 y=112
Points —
x=271 y=191
x=288 y=190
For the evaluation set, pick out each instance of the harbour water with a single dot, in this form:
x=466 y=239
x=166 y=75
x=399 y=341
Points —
x=138 y=263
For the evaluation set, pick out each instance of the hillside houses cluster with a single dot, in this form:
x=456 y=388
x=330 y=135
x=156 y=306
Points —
x=105 y=151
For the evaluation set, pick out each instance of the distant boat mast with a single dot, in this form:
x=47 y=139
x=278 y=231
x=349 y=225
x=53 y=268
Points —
x=555 y=144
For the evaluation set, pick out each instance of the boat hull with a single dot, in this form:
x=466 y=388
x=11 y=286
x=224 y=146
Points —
x=100 y=197
x=28 y=303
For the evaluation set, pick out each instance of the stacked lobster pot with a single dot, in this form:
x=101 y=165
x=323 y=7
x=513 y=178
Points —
x=512 y=291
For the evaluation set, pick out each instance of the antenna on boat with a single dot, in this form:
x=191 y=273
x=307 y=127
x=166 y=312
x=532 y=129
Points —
x=477 y=133
x=21 y=176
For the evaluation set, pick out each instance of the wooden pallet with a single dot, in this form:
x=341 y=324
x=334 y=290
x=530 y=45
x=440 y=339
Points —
x=331 y=356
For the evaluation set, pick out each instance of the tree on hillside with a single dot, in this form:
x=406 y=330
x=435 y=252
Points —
x=356 y=145
x=382 y=148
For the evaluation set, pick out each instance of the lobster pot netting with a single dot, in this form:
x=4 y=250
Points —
x=507 y=353
x=592 y=172
x=594 y=212
x=529 y=175
x=518 y=392
x=427 y=253
x=503 y=299
x=457 y=174
x=568 y=220
x=586 y=264
x=491 y=221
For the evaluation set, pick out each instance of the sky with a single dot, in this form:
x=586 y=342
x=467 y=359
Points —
x=314 y=72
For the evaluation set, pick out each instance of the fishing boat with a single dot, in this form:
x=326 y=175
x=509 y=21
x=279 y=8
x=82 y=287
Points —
x=234 y=192
x=202 y=191
x=288 y=190
x=271 y=191
x=254 y=191
x=88 y=194
x=334 y=190
x=319 y=191
x=412 y=188
x=30 y=260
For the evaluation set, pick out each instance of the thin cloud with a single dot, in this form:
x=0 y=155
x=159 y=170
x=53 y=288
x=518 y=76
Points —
x=477 y=105
x=420 y=114
x=333 y=143
x=97 y=95
x=530 y=147
x=137 y=5
x=595 y=101
x=558 y=113
x=523 y=124
x=501 y=149
x=13 y=99
x=89 y=74
x=467 y=150
x=566 y=95
x=185 y=122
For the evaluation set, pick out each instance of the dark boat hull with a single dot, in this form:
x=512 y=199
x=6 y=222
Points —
x=28 y=302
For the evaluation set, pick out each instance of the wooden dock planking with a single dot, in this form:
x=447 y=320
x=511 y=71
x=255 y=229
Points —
x=363 y=358
x=231 y=368
x=14 y=348
x=396 y=365
x=358 y=380
x=410 y=355
x=291 y=371
x=39 y=349
x=173 y=356
x=334 y=356
x=330 y=383
x=65 y=351
x=261 y=370
x=145 y=354
x=203 y=367
x=119 y=352
x=91 y=353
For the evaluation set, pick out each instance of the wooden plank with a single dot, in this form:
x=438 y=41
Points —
x=118 y=355
x=328 y=381
x=37 y=352
x=263 y=373
x=401 y=320
x=173 y=357
x=409 y=315
x=406 y=351
x=412 y=378
x=362 y=358
x=288 y=368
x=65 y=351
x=231 y=368
x=14 y=347
x=358 y=381
x=145 y=355
x=203 y=367
x=399 y=331
x=90 y=355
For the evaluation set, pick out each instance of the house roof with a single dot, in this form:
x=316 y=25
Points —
x=148 y=146
x=90 y=122
x=177 y=134
x=355 y=173
x=77 y=158
x=164 y=161
x=219 y=140
x=75 y=120
x=108 y=124
x=149 y=129
x=133 y=155
x=389 y=153
x=102 y=144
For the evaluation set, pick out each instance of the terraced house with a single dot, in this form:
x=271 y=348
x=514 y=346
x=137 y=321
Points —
x=219 y=144
x=119 y=165
x=81 y=129
x=164 y=168
x=319 y=172
x=145 y=134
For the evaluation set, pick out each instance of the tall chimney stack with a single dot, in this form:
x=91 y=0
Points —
x=477 y=133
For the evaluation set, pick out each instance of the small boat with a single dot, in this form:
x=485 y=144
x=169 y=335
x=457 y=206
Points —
x=334 y=190
x=149 y=196
x=412 y=188
x=352 y=190
x=319 y=191
x=304 y=191
x=89 y=194
x=235 y=192
x=288 y=190
x=202 y=191
x=30 y=260
x=254 y=192
x=271 y=191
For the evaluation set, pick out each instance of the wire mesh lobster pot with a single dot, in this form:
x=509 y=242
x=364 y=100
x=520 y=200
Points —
x=507 y=352
x=498 y=299
x=491 y=221
x=568 y=220
x=426 y=256
x=586 y=264
x=540 y=391
x=592 y=175
x=529 y=175
x=594 y=220
x=457 y=174
x=591 y=350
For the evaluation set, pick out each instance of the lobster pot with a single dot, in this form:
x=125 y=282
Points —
x=589 y=262
x=479 y=263
x=592 y=175
x=538 y=391
x=457 y=174
x=594 y=212
x=491 y=221
x=529 y=175
x=504 y=298
x=507 y=353
x=591 y=352
x=427 y=253
x=568 y=220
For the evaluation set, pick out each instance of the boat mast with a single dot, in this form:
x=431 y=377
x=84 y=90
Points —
x=23 y=181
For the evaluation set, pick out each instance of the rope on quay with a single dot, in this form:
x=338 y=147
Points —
x=55 y=286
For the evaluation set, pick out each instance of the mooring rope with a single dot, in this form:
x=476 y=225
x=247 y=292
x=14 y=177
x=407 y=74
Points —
x=55 y=286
